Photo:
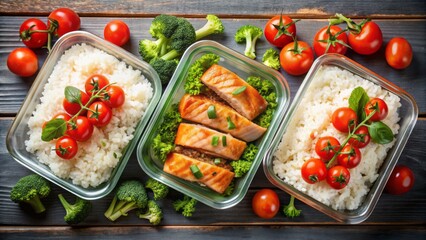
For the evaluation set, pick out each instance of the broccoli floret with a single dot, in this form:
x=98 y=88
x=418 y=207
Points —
x=193 y=84
x=230 y=189
x=248 y=34
x=153 y=213
x=164 y=68
x=182 y=38
x=76 y=212
x=151 y=49
x=187 y=205
x=160 y=190
x=250 y=152
x=130 y=195
x=30 y=189
x=160 y=148
x=240 y=167
x=271 y=58
x=290 y=210
x=163 y=26
x=213 y=26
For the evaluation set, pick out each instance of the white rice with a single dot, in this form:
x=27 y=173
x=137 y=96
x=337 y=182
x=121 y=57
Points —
x=97 y=157
x=330 y=90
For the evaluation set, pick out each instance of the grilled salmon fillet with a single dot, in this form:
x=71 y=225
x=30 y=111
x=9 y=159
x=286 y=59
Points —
x=248 y=102
x=194 y=109
x=214 y=177
x=209 y=141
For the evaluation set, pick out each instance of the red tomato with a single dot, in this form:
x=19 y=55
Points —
x=100 y=114
x=66 y=147
x=338 y=177
x=94 y=83
x=326 y=147
x=343 y=119
x=22 y=62
x=114 y=96
x=336 y=41
x=314 y=170
x=66 y=19
x=33 y=33
x=81 y=129
x=381 y=109
x=265 y=203
x=400 y=181
x=117 y=32
x=399 y=53
x=368 y=41
x=349 y=156
x=74 y=108
x=280 y=31
x=360 y=138
x=296 y=58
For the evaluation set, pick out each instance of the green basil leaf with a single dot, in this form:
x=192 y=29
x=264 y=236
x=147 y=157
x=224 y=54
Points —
x=357 y=101
x=380 y=133
x=72 y=94
x=55 y=128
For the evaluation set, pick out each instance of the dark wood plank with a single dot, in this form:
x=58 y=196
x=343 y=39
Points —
x=13 y=89
x=247 y=8
x=406 y=209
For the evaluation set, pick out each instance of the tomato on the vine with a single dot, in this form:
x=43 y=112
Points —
x=296 y=58
x=117 y=32
x=22 y=62
x=338 y=177
x=368 y=40
x=66 y=147
x=349 y=156
x=65 y=20
x=326 y=147
x=344 y=119
x=114 y=96
x=265 y=203
x=33 y=33
x=280 y=30
x=94 y=83
x=399 y=53
x=80 y=128
x=360 y=138
x=400 y=181
x=330 y=39
x=99 y=114
x=380 y=106
x=73 y=108
x=314 y=170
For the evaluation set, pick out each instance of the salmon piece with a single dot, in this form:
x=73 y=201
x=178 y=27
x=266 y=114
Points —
x=203 y=139
x=194 y=109
x=214 y=177
x=223 y=82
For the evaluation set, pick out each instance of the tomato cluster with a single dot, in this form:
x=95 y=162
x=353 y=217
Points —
x=347 y=154
x=85 y=110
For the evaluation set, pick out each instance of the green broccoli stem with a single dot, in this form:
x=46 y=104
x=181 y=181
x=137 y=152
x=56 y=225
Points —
x=249 y=45
x=65 y=203
x=111 y=207
x=172 y=54
x=123 y=211
x=204 y=31
x=36 y=204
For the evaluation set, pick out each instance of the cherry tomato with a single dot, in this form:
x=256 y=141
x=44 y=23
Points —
x=280 y=30
x=81 y=129
x=368 y=41
x=265 y=203
x=399 y=53
x=95 y=83
x=349 y=156
x=336 y=41
x=67 y=20
x=326 y=147
x=343 y=119
x=100 y=114
x=400 y=181
x=33 y=33
x=360 y=138
x=314 y=170
x=338 y=177
x=66 y=147
x=22 y=62
x=381 y=109
x=117 y=32
x=296 y=58
x=74 y=108
x=114 y=96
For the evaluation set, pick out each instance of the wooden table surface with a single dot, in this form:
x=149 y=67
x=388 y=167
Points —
x=395 y=217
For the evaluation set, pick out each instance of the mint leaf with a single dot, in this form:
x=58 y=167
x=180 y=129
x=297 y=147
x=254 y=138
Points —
x=357 y=101
x=55 y=128
x=380 y=133
x=72 y=94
